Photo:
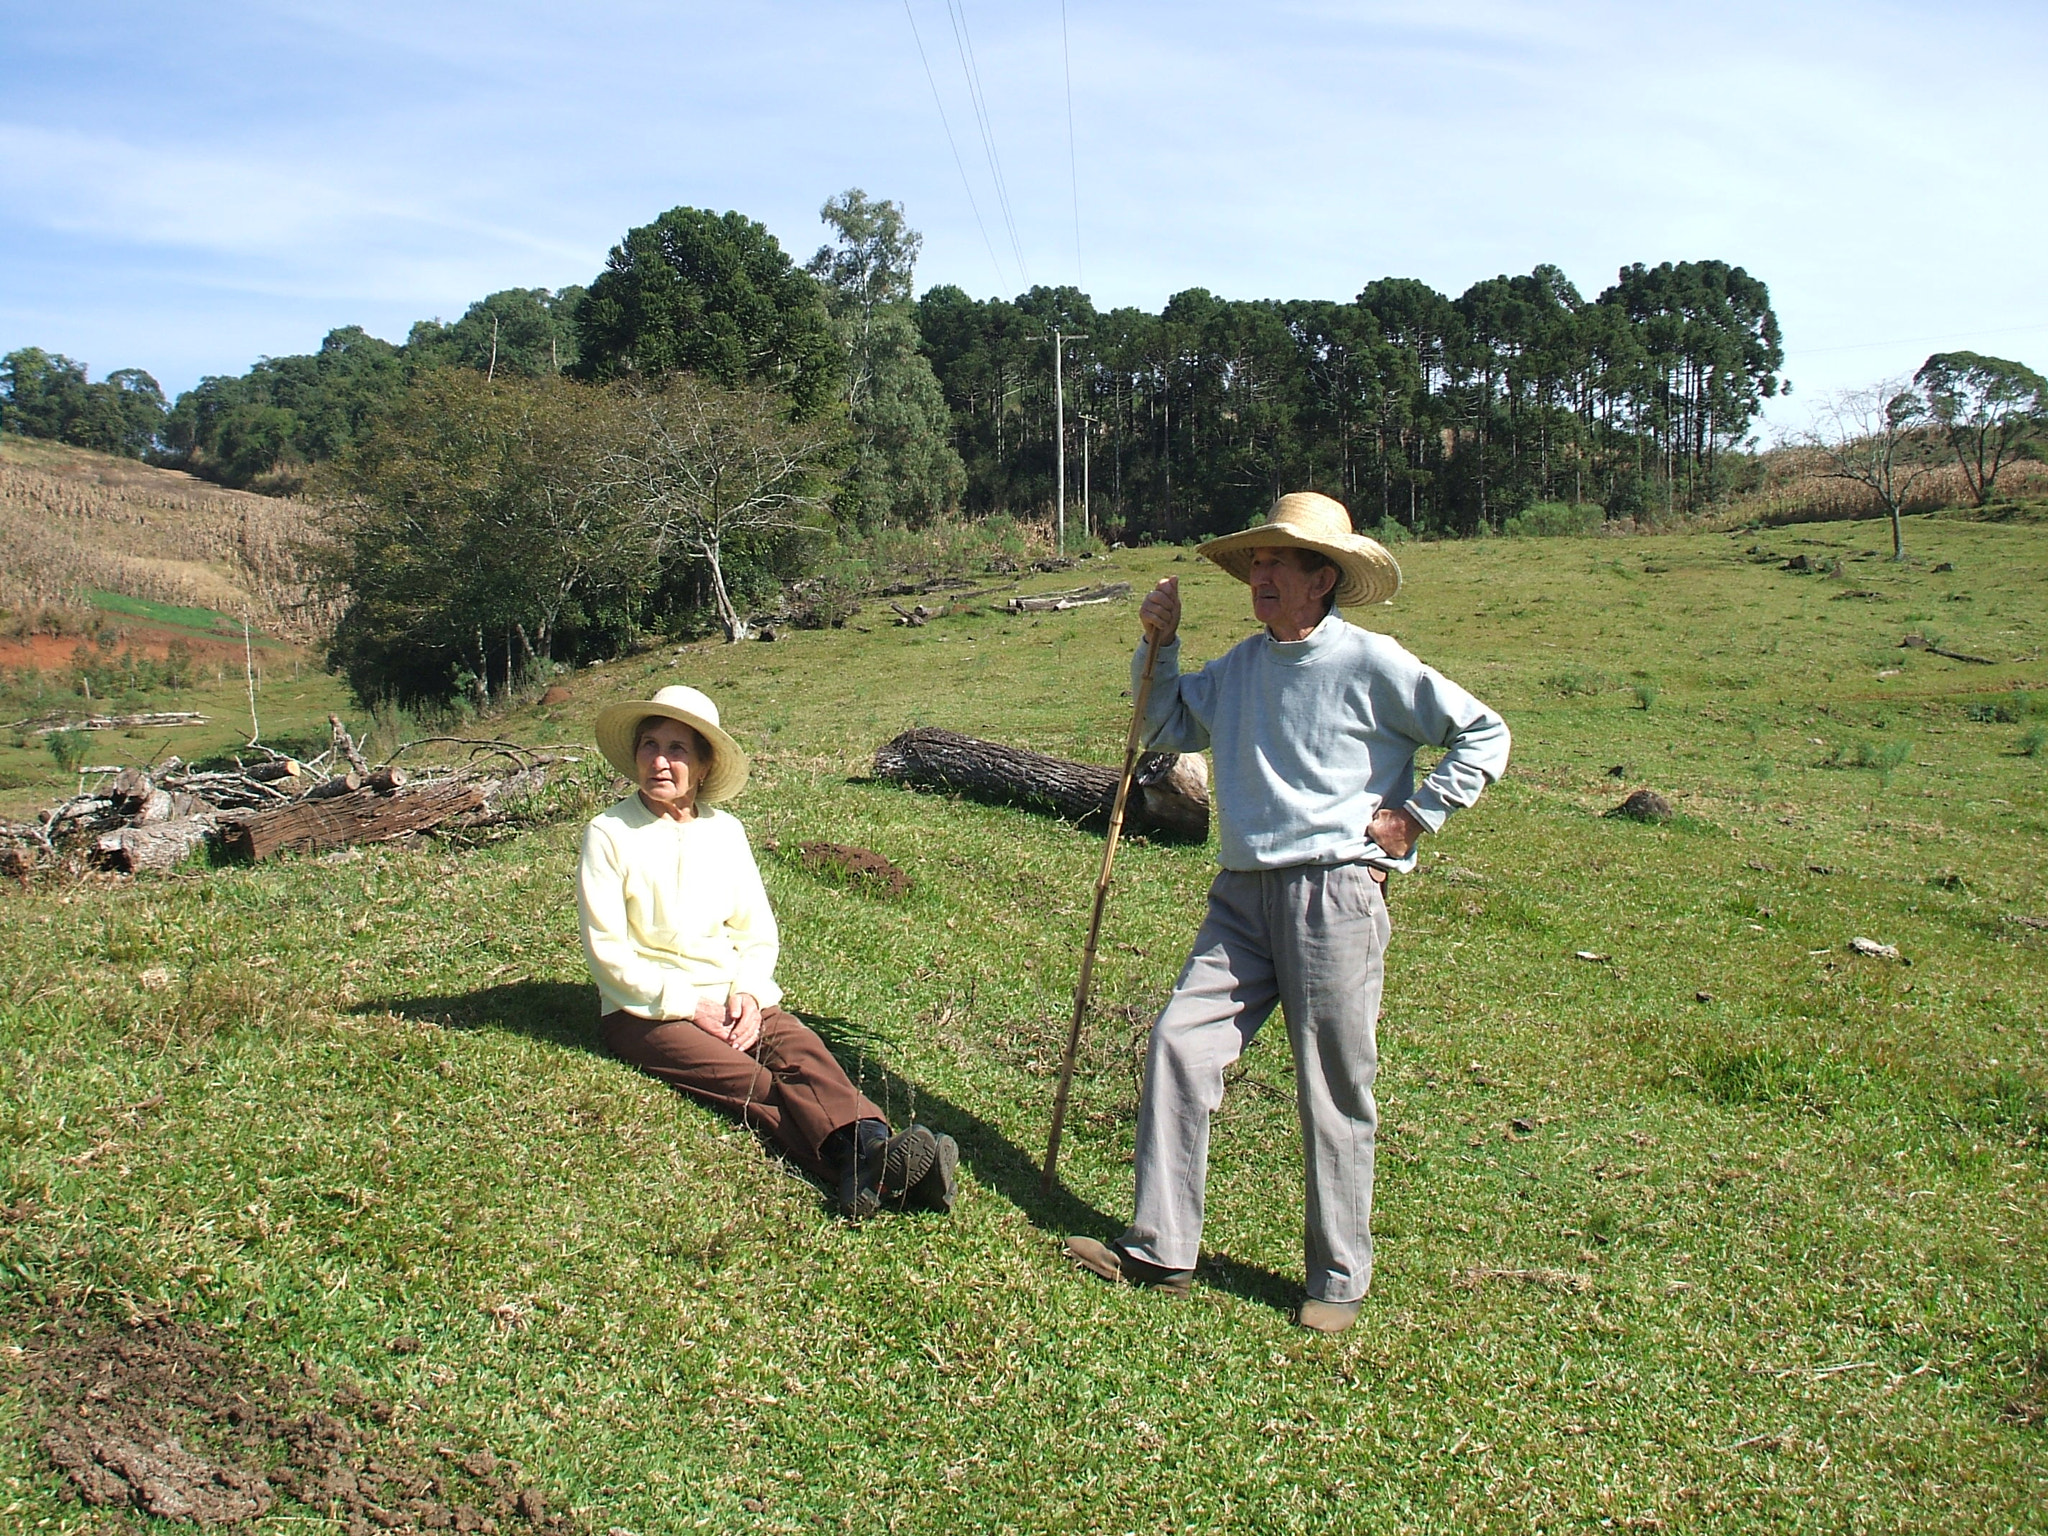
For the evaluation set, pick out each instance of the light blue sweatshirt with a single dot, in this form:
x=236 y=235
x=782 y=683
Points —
x=1311 y=737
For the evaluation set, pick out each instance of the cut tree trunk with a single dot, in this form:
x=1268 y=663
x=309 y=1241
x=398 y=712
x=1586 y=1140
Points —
x=1170 y=794
x=160 y=846
x=365 y=816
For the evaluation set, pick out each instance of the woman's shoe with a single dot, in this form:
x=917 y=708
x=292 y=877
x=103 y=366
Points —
x=939 y=1188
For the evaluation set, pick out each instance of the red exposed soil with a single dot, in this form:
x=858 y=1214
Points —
x=163 y=1418
x=53 y=653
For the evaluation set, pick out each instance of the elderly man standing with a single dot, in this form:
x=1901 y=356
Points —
x=1314 y=724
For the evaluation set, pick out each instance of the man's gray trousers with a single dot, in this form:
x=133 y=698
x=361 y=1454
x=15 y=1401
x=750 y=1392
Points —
x=1312 y=938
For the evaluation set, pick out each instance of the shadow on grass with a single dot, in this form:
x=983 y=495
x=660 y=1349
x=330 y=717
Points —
x=565 y=1014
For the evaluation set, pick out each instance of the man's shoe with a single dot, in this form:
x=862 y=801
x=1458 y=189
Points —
x=1327 y=1316
x=1112 y=1263
x=939 y=1188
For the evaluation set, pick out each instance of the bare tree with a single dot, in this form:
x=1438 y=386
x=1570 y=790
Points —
x=705 y=466
x=1876 y=438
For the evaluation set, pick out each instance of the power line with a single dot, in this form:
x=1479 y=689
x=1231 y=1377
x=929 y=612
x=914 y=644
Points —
x=1073 y=170
x=961 y=165
x=1910 y=341
x=956 y=11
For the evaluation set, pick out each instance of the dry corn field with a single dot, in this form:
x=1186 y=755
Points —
x=1796 y=489
x=73 y=522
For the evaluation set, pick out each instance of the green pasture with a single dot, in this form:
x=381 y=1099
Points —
x=293 y=700
x=209 y=622
x=1729 y=1228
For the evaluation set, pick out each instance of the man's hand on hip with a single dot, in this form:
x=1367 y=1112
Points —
x=1395 y=831
x=1160 y=613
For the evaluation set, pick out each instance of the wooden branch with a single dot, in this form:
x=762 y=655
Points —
x=1171 y=795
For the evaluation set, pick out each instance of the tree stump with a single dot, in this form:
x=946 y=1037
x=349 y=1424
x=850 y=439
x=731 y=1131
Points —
x=1169 y=795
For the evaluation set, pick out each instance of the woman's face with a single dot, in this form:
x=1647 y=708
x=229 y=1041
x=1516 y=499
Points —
x=671 y=760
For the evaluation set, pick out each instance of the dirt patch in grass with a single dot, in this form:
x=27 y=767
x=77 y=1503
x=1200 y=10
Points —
x=854 y=866
x=165 y=1418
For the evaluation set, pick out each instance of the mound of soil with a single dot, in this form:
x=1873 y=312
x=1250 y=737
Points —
x=1644 y=805
x=847 y=862
x=161 y=1418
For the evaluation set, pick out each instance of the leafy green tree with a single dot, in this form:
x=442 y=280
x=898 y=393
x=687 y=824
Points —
x=495 y=526
x=485 y=534
x=48 y=395
x=41 y=393
x=715 y=294
x=285 y=412
x=904 y=467
x=526 y=333
x=1987 y=407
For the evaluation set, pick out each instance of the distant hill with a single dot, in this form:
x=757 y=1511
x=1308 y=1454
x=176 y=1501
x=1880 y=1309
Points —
x=81 y=530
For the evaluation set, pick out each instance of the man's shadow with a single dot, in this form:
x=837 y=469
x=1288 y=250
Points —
x=565 y=1014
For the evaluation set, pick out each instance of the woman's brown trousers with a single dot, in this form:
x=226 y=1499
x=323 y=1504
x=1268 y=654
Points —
x=789 y=1086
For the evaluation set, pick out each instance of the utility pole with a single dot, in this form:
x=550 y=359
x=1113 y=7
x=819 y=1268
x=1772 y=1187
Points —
x=1059 y=406
x=1087 y=523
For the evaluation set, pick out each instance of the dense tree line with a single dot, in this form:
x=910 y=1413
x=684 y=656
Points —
x=1444 y=415
x=555 y=472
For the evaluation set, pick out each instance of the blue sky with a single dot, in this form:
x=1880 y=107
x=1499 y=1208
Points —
x=185 y=187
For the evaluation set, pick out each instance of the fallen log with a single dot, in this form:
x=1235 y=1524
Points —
x=160 y=846
x=271 y=772
x=363 y=816
x=1922 y=643
x=50 y=724
x=1060 y=602
x=1170 y=795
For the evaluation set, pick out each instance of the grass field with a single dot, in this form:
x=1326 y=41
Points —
x=1731 y=1229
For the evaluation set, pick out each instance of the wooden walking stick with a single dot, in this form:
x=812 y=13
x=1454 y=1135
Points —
x=1116 y=827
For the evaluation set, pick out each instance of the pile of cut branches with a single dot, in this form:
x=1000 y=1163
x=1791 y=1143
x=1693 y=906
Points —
x=263 y=803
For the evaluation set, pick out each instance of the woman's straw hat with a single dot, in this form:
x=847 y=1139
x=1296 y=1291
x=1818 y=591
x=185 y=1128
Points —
x=1306 y=520
x=619 y=724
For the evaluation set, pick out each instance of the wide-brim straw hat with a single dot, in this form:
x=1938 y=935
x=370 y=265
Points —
x=618 y=725
x=1366 y=573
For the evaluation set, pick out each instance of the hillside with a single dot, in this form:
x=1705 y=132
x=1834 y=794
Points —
x=1691 y=1217
x=76 y=526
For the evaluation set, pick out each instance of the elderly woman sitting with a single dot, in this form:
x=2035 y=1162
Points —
x=682 y=944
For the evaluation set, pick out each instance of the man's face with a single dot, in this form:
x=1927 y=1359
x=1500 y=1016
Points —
x=671 y=762
x=1285 y=598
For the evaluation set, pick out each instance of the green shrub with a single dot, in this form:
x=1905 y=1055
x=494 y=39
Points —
x=2032 y=740
x=67 y=747
x=1554 y=520
x=1646 y=695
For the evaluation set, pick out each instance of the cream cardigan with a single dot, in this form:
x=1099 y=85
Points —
x=673 y=912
